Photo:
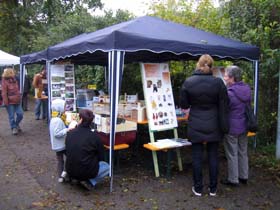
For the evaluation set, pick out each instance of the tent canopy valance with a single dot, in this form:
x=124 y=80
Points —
x=148 y=39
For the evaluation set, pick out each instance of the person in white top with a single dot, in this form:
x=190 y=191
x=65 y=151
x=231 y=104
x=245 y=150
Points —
x=58 y=131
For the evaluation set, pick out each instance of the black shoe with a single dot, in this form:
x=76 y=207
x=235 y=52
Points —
x=37 y=118
x=196 y=192
x=243 y=181
x=212 y=192
x=226 y=182
x=87 y=185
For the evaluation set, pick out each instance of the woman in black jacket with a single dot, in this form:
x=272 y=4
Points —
x=207 y=98
x=85 y=153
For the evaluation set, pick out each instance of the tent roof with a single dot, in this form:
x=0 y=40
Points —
x=8 y=59
x=145 y=39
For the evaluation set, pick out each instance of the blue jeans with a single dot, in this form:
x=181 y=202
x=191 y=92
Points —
x=102 y=172
x=38 y=104
x=14 y=109
x=197 y=157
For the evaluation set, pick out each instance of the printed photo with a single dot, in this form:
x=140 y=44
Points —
x=151 y=70
x=69 y=107
x=69 y=80
x=69 y=74
x=56 y=86
x=69 y=68
x=69 y=88
x=57 y=79
x=56 y=93
x=149 y=83
x=166 y=77
x=69 y=95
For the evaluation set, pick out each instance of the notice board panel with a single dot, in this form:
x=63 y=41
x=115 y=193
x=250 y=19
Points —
x=158 y=96
x=63 y=85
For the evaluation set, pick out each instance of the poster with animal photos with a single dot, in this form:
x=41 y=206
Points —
x=158 y=96
x=63 y=84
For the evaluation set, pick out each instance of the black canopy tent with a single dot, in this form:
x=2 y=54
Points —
x=144 y=39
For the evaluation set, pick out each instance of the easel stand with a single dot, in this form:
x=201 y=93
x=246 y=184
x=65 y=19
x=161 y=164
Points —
x=155 y=149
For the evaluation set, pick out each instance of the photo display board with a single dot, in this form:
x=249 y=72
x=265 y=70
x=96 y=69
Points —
x=158 y=96
x=63 y=85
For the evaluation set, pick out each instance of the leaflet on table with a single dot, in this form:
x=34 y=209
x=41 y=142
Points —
x=63 y=84
x=170 y=143
x=158 y=96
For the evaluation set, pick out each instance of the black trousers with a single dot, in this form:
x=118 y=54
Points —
x=25 y=101
x=197 y=159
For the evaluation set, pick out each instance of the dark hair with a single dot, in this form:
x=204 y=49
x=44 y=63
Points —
x=86 y=116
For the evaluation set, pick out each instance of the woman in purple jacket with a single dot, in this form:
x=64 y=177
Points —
x=235 y=141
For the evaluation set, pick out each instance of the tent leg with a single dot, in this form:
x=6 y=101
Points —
x=256 y=90
x=155 y=160
x=179 y=159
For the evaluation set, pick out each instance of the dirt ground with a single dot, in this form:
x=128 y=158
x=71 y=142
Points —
x=28 y=179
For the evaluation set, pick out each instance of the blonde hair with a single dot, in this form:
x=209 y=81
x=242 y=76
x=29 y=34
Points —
x=205 y=63
x=8 y=72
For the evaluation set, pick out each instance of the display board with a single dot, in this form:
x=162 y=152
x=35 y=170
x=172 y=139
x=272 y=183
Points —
x=63 y=85
x=158 y=96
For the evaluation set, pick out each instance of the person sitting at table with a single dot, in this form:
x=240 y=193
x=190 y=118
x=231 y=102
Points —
x=85 y=153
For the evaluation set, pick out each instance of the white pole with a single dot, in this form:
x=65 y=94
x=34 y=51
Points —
x=278 y=119
x=256 y=90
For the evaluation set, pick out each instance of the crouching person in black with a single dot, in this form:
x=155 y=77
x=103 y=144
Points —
x=85 y=153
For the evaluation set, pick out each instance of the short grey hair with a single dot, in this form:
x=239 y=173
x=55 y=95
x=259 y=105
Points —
x=234 y=72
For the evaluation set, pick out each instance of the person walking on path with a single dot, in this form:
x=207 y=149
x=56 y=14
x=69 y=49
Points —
x=235 y=142
x=12 y=99
x=85 y=153
x=39 y=83
x=207 y=98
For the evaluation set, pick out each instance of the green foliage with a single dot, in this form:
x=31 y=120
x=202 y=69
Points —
x=19 y=25
x=265 y=158
x=257 y=22
x=132 y=80
x=203 y=16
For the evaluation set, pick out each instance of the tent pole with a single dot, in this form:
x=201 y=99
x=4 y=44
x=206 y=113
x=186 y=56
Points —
x=48 y=68
x=116 y=59
x=21 y=77
x=106 y=78
x=278 y=119
x=256 y=90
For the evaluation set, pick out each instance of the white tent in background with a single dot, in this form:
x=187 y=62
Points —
x=8 y=59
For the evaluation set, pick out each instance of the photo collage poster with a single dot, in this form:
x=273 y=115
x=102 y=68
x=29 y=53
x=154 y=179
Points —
x=158 y=96
x=63 y=85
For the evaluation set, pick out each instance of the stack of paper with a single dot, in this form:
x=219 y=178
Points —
x=182 y=142
x=170 y=143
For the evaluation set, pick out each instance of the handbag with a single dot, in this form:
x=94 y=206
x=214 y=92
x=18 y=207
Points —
x=252 y=123
x=251 y=118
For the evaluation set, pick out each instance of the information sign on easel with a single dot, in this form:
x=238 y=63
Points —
x=158 y=96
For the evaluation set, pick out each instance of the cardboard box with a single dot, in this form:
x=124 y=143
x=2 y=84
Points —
x=139 y=114
x=123 y=126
